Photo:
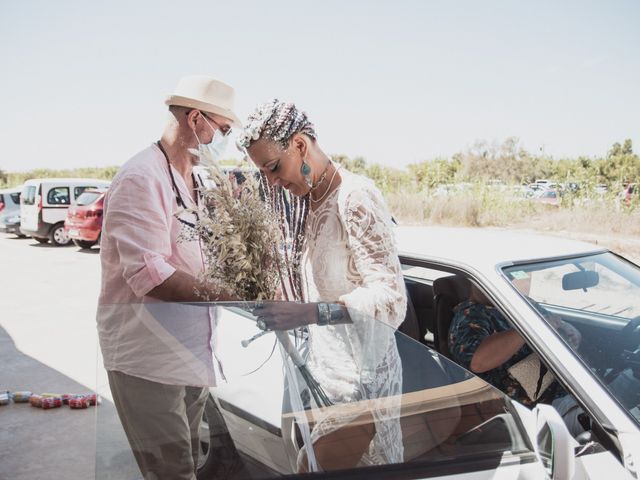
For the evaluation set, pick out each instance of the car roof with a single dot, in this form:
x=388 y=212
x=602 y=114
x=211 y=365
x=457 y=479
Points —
x=482 y=248
x=11 y=190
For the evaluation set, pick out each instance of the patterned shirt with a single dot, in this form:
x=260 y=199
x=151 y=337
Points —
x=472 y=323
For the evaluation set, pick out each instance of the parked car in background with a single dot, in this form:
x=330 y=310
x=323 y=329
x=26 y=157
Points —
x=84 y=220
x=549 y=197
x=10 y=210
x=12 y=225
x=545 y=183
x=572 y=187
x=601 y=189
x=44 y=204
x=533 y=190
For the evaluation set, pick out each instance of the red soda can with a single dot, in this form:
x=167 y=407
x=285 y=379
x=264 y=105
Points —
x=94 y=399
x=51 y=402
x=66 y=397
x=79 y=402
x=35 y=401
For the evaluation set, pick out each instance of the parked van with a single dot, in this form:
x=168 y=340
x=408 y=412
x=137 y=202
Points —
x=44 y=204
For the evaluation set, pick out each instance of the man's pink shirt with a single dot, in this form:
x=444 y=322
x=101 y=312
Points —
x=139 y=250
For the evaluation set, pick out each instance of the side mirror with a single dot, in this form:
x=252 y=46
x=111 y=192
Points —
x=580 y=280
x=554 y=445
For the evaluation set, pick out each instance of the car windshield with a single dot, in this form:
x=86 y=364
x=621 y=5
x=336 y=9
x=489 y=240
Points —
x=278 y=409
x=87 y=198
x=599 y=295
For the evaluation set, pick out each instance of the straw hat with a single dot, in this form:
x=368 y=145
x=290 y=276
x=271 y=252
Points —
x=206 y=94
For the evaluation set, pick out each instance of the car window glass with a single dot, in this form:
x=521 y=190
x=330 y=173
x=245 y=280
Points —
x=29 y=197
x=593 y=303
x=77 y=191
x=15 y=197
x=611 y=295
x=87 y=198
x=58 y=196
x=423 y=273
x=288 y=411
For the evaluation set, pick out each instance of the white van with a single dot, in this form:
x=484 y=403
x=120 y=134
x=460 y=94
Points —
x=44 y=204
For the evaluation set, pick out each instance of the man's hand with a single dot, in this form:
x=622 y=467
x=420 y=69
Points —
x=182 y=287
x=286 y=315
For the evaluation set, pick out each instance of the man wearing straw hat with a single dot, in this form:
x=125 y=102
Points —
x=160 y=362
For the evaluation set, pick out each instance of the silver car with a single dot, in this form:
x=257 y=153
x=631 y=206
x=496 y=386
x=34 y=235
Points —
x=10 y=211
x=453 y=423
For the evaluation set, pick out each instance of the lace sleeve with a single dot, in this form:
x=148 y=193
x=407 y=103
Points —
x=381 y=294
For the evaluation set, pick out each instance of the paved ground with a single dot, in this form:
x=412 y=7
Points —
x=48 y=343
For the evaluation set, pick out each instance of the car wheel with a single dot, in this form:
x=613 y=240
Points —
x=41 y=239
x=58 y=236
x=218 y=455
x=83 y=243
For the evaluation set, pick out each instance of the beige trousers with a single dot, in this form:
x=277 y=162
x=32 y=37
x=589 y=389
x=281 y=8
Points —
x=161 y=423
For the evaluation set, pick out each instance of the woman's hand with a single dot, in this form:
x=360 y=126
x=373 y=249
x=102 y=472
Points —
x=285 y=315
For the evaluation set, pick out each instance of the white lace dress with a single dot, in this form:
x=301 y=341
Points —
x=351 y=257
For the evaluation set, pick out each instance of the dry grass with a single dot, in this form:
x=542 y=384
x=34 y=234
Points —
x=479 y=208
x=602 y=223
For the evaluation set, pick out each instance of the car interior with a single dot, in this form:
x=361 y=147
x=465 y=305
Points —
x=607 y=345
x=457 y=416
x=430 y=303
x=430 y=307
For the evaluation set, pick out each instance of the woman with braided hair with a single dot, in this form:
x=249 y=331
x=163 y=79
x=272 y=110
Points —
x=344 y=280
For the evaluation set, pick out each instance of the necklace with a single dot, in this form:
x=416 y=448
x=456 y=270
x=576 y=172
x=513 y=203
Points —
x=179 y=199
x=328 y=187
x=323 y=176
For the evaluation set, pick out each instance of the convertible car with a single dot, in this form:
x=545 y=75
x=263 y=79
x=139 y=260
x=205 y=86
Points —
x=453 y=424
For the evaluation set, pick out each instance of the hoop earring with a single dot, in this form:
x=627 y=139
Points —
x=305 y=170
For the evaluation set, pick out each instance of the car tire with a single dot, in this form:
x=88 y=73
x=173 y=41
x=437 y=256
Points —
x=58 y=236
x=84 y=244
x=41 y=239
x=218 y=455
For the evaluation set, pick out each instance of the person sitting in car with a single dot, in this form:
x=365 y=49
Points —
x=481 y=340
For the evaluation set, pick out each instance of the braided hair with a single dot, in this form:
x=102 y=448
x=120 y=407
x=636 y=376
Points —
x=279 y=121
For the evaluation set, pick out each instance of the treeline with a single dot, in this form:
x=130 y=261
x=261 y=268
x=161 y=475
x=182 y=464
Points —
x=15 y=179
x=507 y=163
x=484 y=162
x=8 y=179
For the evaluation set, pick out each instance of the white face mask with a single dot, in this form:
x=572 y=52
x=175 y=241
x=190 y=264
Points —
x=211 y=152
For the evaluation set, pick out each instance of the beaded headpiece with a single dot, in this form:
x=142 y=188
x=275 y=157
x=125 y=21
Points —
x=278 y=121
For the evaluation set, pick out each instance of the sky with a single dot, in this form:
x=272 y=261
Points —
x=83 y=83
